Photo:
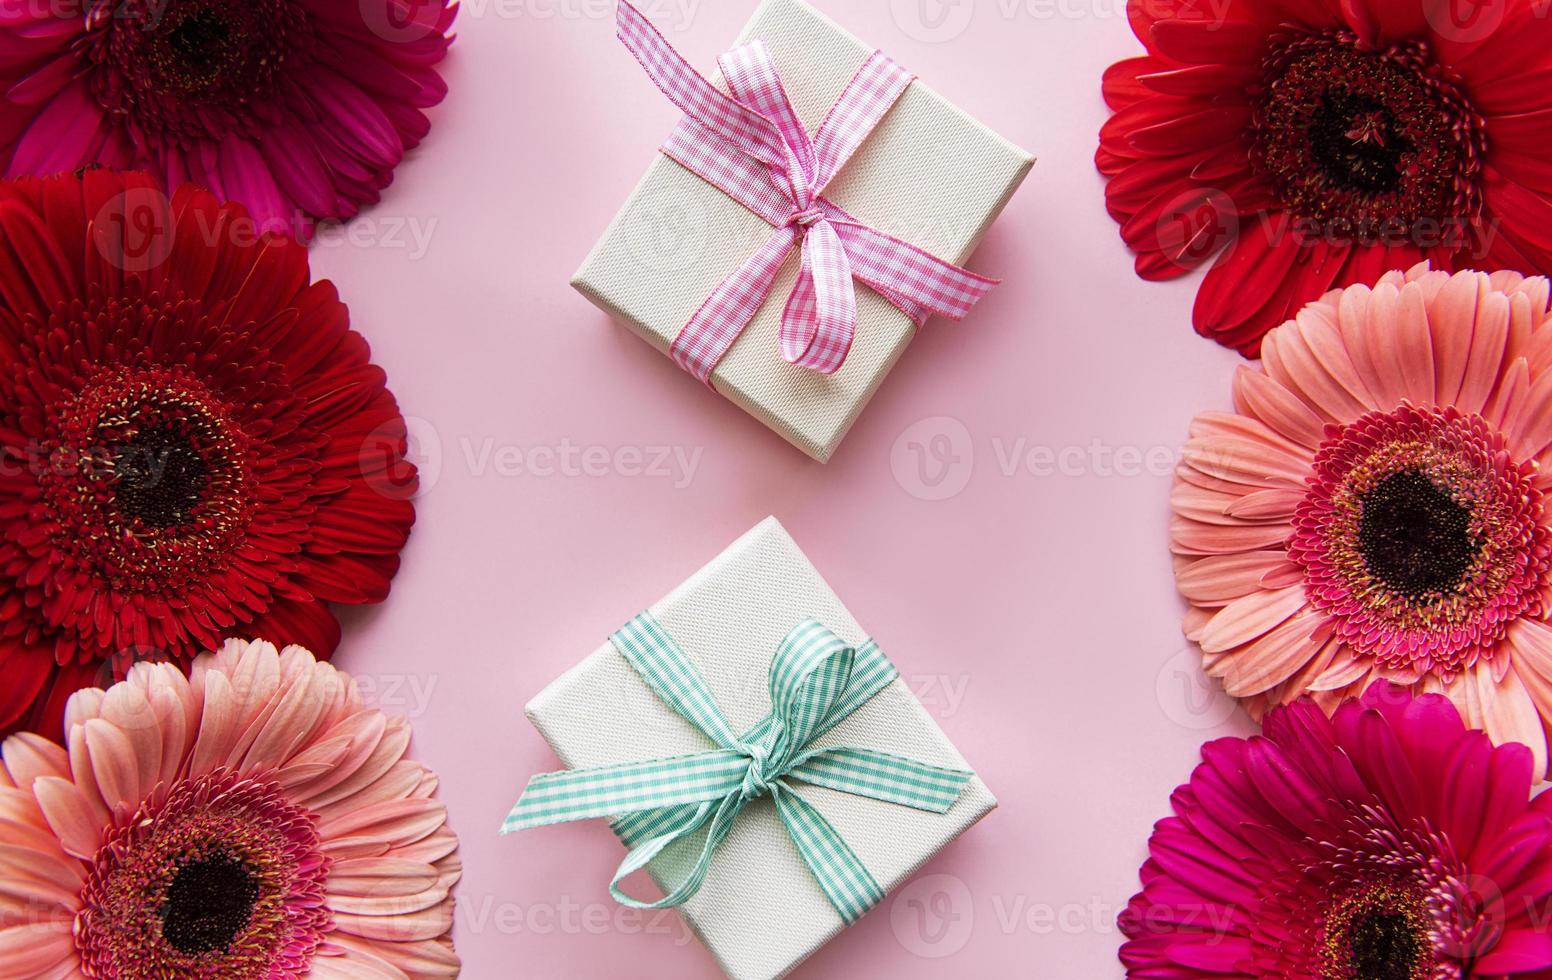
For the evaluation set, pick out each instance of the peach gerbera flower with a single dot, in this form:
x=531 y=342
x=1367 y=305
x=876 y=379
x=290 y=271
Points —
x=255 y=821
x=1376 y=507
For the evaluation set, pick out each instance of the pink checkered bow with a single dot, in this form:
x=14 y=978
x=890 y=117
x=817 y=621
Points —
x=751 y=145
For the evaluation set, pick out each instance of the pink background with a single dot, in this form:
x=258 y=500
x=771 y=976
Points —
x=1033 y=609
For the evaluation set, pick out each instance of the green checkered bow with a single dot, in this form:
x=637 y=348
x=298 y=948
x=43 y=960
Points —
x=816 y=680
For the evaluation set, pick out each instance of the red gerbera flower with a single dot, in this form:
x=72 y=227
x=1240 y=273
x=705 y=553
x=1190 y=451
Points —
x=1313 y=144
x=194 y=442
x=298 y=109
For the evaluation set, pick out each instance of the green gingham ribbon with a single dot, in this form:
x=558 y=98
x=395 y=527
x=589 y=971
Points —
x=816 y=680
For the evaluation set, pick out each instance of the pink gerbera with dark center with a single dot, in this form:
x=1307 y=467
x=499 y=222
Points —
x=193 y=442
x=255 y=821
x=298 y=109
x=1385 y=843
x=1314 y=145
x=1377 y=506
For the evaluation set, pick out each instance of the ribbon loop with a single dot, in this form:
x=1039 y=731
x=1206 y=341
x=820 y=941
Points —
x=751 y=77
x=820 y=318
x=750 y=143
x=816 y=681
x=809 y=673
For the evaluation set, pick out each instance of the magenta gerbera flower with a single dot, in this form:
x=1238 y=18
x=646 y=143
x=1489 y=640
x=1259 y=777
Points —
x=298 y=109
x=1386 y=843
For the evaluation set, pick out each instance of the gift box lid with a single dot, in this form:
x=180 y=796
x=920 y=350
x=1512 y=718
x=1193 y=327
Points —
x=760 y=911
x=929 y=174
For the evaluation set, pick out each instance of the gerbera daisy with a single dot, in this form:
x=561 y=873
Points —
x=299 y=109
x=1377 y=506
x=193 y=442
x=1386 y=843
x=1313 y=145
x=255 y=821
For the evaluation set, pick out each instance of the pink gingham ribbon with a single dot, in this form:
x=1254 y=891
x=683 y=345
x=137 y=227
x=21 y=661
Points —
x=751 y=145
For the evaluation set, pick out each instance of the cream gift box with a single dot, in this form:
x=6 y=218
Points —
x=929 y=174
x=760 y=911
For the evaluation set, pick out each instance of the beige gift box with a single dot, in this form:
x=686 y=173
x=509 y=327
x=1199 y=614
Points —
x=760 y=911
x=929 y=174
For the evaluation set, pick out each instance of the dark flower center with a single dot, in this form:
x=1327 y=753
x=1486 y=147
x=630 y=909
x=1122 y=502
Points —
x=202 y=44
x=159 y=476
x=1385 y=946
x=149 y=478
x=192 y=69
x=203 y=48
x=1355 y=140
x=1364 y=145
x=221 y=877
x=1414 y=536
x=1378 y=930
x=1422 y=538
x=209 y=902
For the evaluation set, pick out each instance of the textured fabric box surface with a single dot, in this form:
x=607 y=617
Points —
x=929 y=174
x=760 y=912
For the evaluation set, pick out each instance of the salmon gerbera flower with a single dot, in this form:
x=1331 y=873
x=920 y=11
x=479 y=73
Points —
x=1377 y=506
x=253 y=821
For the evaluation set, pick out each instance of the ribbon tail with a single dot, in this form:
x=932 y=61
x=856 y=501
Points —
x=684 y=824
x=633 y=828
x=609 y=791
x=820 y=319
x=883 y=776
x=695 y=96
x=846 y=882
x=913 y=279
x=727 y=311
